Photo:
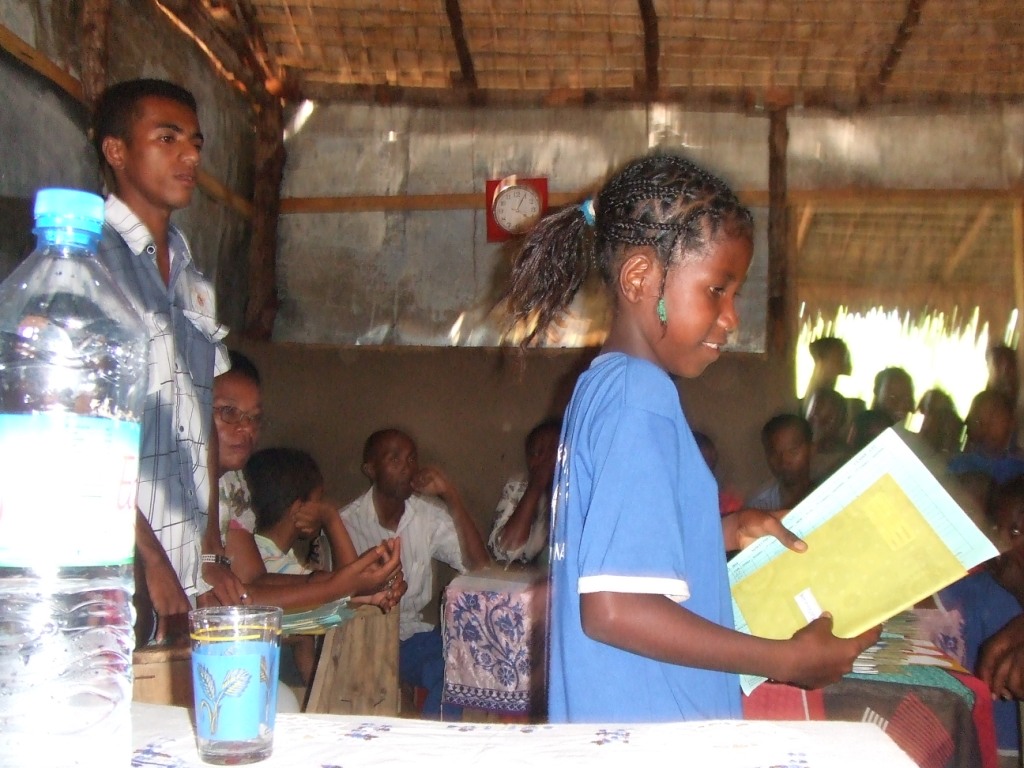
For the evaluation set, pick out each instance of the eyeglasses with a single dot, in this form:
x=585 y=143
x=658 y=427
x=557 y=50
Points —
x=231 y=415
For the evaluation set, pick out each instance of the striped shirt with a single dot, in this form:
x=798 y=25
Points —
x=185 y=354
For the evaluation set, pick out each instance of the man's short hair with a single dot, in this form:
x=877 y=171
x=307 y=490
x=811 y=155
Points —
x=824 y=346
x=243 y=366
x=776 y=424
x=554 y=423
x=374 y=440
x=892 y=372
x=117 y=108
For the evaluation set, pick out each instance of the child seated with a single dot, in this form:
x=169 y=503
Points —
x=990 y=450
x=989 y=598
x=826 y=413
x=286 y=491
x=941 y=426
x=865 y=427
x=787 y=448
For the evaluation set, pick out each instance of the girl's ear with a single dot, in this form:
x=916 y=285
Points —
x=639 y=275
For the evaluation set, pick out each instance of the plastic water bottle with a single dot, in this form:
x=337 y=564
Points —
x=72 y=390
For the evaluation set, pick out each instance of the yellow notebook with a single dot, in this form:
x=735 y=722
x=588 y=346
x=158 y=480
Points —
x=882 y=534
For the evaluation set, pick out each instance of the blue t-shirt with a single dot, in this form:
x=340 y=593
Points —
x=985 y=608
x=635 y=510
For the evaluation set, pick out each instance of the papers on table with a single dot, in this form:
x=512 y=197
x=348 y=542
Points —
x=923 y=637
x=317 y=620
x=882 y=533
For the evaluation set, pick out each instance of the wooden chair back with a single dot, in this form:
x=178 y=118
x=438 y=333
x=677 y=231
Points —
x=357 y=673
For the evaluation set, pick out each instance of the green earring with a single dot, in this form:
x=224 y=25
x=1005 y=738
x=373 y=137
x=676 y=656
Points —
x=662 y=312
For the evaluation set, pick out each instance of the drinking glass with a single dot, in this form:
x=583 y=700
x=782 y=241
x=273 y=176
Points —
x=236 y=652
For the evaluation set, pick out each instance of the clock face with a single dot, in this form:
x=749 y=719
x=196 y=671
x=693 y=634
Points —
x=516 y=208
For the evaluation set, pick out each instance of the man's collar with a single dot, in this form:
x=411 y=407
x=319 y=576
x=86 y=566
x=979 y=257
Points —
x=136 y=234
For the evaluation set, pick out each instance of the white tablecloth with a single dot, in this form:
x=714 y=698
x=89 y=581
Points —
x=163 y=736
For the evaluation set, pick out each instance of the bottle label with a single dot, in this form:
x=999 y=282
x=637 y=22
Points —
x=68 y=486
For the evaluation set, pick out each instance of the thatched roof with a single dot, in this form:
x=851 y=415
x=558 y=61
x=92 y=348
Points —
x=838 y=54
x=847 y=57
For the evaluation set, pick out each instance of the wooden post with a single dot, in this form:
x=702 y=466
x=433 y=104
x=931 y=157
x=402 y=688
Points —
x=779 y=333
x=94 y=21
x=1018 y=280
x=269 y=156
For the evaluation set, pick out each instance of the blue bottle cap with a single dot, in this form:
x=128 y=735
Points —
x=71 y=208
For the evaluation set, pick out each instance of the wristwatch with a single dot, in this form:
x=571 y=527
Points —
x=218 y=559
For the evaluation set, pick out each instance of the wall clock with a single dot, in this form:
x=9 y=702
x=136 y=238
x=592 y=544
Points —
x=513 y=205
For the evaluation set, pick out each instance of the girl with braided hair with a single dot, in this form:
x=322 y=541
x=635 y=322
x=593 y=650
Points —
x=641 y=625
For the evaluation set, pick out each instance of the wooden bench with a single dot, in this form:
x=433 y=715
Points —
x=163 y=675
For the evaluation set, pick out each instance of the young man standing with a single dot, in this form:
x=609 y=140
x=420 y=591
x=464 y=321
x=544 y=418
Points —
x=398 y=503
x=148 y=138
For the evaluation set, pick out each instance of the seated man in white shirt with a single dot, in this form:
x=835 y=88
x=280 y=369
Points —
x=398 y=503
x=520 y=530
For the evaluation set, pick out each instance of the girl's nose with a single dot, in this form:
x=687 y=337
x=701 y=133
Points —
x=729 y=318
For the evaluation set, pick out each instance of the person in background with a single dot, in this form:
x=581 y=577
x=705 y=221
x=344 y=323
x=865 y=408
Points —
x=826 y=414
x=287 y=492
x=1004 y=376
x=894 y=394
x=728 y=500
x=238 y=418
x=989 y=598
x=865 y=427
x=989 y=450
x=831 y=360
x=640 y=610
x=520 y=530
x=147 y=135
x=398 y=503
x=374 y=578
x=1003 y=372
x=786 y=439
x=941 y=426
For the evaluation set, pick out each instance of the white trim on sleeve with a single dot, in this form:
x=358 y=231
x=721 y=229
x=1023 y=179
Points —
x=676 y=590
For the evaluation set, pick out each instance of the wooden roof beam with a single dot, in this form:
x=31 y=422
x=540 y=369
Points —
x=467 y=70
x=194 y=20
x=804 y=226
x=273 y=80
x=93 y=23
x=903 y=34
x=652 y=47
x=967 y=241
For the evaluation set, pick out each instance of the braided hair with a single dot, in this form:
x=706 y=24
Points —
x=664 y=201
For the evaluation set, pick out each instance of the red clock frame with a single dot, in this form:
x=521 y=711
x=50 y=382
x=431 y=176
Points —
x=495 y=234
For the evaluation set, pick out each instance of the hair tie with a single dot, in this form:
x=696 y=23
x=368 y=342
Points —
x=587 y=207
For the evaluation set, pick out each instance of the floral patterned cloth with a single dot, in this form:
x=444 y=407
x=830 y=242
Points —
x=493 y=640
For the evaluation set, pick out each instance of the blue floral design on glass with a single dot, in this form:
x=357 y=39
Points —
x=234 y=684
